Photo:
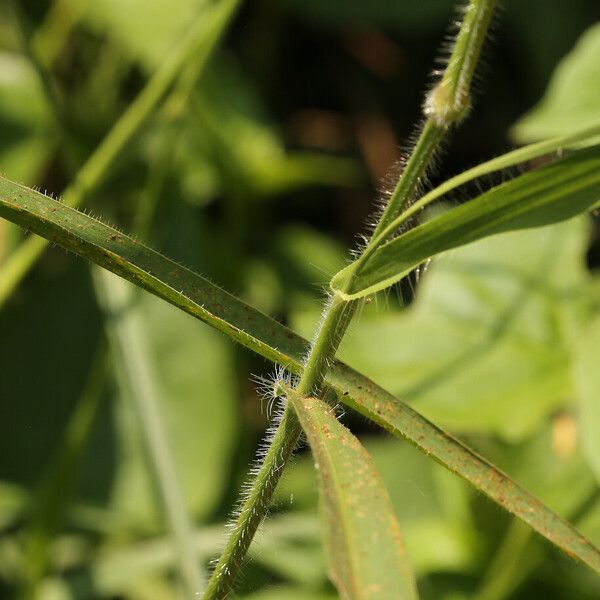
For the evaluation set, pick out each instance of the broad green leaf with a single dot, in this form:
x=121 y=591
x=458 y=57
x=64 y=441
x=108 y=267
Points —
x=540 y=197
x=490 y=333
x=587 y=388
x=363 y=542
x=572 y=99
x=192 y=293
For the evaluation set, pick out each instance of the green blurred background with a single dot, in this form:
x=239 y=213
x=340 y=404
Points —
x=261 y=181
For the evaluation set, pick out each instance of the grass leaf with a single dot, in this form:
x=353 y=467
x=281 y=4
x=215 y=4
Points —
x=579 y=139
x=366 y=555
x=195 y=295
x=546 y=195
x=482 y=313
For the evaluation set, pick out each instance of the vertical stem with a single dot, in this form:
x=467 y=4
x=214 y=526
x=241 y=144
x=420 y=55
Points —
x=336 y=319
x=450 y=100
x=446 y=104
x=255 y=506
x=420 y=159
x=127 y=344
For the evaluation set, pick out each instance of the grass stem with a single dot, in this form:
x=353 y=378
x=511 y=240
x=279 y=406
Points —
x=339 y=313
x=335 y=320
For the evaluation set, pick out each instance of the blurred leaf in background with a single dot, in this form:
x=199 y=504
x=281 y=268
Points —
x=26 y=120
x=571 y=101
x=144 y=30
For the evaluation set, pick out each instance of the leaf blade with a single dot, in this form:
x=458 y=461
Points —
x=541 y=197
x=402 y=421
x=365 y=551
x=195 y=295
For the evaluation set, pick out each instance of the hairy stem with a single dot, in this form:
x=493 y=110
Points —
x=441 y=111
x=520 y=155
x=446 y=104
x=419 y=161
x=450 y=100
x=255 y=506
x=336 y=319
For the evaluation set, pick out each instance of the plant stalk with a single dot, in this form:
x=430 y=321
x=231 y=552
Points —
x=339 y=312
x=445 y=105
x=421 y=157
x=132 y=366
x=336 y=319
x=254 y=506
